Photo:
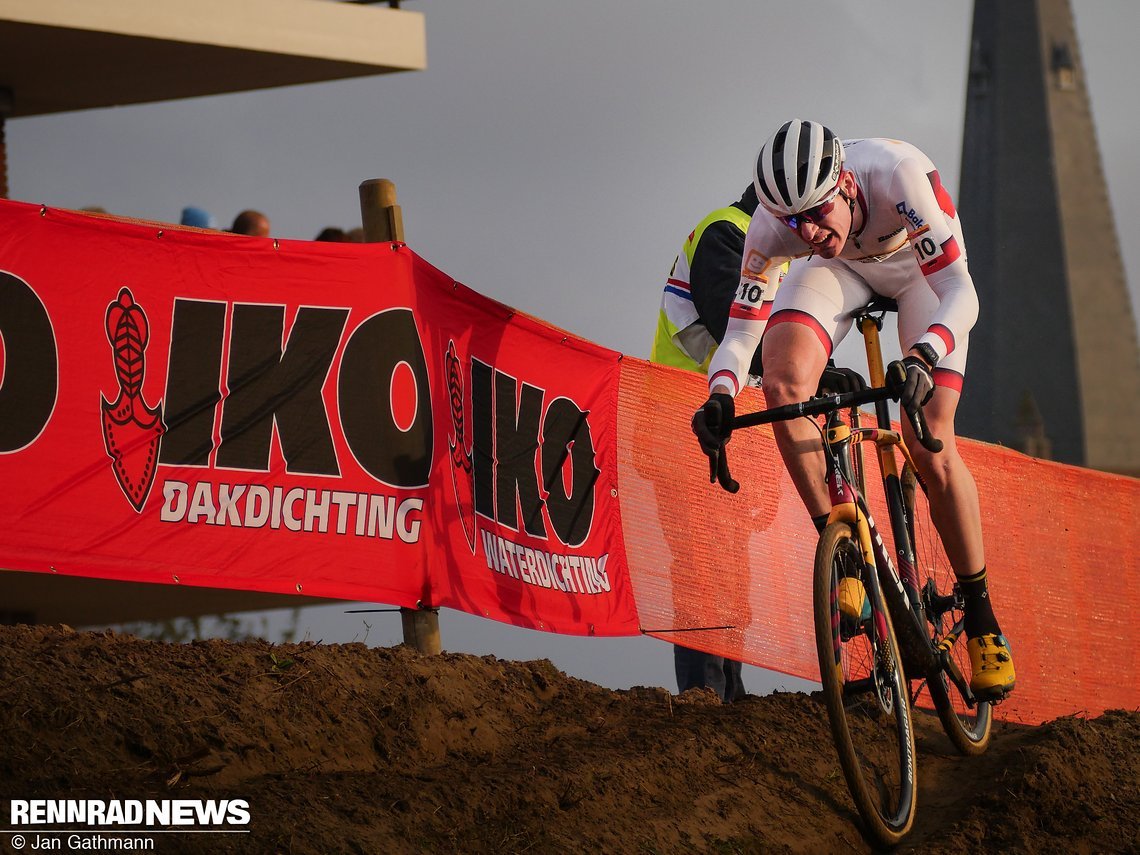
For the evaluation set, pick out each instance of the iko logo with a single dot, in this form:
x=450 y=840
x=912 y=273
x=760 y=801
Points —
x=275 y=383
x=528 y=464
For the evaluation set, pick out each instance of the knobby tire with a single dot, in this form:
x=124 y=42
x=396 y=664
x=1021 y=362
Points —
x=875 y=745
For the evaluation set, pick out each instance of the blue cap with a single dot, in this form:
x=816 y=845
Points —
x=197 y=217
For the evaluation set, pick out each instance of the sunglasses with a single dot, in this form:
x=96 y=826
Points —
x=812 y=215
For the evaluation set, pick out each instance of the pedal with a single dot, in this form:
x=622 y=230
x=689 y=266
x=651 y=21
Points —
x=994 y=695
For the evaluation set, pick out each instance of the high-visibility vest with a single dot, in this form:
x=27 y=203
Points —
x=677 y=310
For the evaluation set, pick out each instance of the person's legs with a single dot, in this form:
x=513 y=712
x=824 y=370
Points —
x=733 y=681
x=793 y=362
x=954 y=506
x=950 y=487
x=811 y=315
x=956 y=513
x=951 y=490
x=697 y=670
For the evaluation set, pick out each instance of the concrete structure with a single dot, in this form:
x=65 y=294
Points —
x=1054 y=366
x=58 y=55
x=75 y=54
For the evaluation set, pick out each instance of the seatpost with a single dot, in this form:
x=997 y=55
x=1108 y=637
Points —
x=876 y=372
x=870 y=325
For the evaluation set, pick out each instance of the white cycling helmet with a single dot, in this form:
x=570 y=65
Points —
x=798 y=168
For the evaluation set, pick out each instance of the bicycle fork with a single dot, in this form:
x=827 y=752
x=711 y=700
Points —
x=845 y=508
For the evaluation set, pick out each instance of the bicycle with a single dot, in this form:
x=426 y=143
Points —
x=876 y=656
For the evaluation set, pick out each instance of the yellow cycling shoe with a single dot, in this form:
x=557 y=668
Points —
x=853 y=599
x=992 y=665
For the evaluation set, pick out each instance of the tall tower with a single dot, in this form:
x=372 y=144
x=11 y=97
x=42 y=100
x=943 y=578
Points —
x=1054 y=365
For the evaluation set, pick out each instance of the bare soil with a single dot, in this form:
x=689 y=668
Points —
x=346 y=748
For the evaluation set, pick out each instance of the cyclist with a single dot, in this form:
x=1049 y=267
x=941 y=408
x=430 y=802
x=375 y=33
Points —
x=867 y=217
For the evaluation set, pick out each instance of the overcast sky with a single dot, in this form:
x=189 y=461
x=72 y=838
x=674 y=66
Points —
x=554 y=155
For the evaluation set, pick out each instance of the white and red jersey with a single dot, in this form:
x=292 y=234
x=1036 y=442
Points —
x=910 y=247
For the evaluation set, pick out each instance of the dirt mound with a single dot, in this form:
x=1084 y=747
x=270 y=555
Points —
x=353 y=749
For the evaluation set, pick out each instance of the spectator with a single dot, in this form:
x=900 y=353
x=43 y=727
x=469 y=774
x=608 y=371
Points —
x=694 y=314
x=199 y=218
x=252 y=223
x=333 y=234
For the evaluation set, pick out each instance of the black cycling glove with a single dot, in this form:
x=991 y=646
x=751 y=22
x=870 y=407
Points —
x=839 y=381
x=712 y=425
x=911 y=380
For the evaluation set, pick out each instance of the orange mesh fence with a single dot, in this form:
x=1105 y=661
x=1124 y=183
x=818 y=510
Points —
x=731 y=574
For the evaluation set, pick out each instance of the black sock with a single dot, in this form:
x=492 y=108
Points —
x=820 y=522
x=979 y=618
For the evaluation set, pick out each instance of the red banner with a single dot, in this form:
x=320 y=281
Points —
x=337 y=420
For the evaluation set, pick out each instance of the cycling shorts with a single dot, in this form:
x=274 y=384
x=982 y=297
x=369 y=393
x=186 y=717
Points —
x=823 y=294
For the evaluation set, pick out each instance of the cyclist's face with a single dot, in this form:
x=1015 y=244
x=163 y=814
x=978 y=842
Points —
x=826 y=233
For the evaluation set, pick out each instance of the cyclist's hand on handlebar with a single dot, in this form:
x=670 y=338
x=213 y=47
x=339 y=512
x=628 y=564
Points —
x=839 y=381
x=912 y=381
x=712 y=425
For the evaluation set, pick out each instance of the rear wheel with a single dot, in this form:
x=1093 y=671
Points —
x=969 y=727
x=866 y=694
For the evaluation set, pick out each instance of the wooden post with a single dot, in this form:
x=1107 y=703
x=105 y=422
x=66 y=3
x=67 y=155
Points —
x=5 y=111
x=379 y=213
x=383 y=223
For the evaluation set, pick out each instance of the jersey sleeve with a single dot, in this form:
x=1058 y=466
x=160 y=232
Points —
x=762 y=266
x=714 y=274
x=677 y=298
x=931 y=222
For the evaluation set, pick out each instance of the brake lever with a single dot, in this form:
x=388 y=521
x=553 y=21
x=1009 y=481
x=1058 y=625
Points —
x=917 y=418
x=922 y=432
x=722 y=475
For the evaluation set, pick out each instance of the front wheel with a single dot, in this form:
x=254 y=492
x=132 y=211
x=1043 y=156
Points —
x=866 y=693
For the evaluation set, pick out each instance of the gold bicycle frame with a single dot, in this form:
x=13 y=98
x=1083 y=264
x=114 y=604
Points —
x=884 y=439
